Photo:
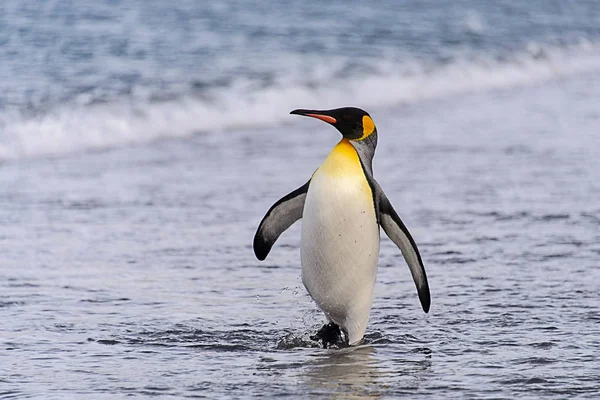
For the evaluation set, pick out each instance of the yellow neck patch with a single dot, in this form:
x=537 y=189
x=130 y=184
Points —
x=342 y=175
x=368 y=127
x=342 y=160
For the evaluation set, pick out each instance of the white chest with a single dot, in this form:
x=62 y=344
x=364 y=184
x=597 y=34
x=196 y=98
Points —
x=340 y=238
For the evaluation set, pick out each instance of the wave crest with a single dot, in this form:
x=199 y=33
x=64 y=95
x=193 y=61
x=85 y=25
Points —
x=243 y=104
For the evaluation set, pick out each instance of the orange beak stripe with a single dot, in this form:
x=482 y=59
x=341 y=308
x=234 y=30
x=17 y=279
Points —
x=325 y=118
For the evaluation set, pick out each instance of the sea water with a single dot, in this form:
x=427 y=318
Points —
x=141 y=142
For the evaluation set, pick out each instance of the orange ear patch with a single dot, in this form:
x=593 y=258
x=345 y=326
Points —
x=368 y=126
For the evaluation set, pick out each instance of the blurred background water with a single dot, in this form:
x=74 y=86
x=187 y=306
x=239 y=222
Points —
x=141 y=142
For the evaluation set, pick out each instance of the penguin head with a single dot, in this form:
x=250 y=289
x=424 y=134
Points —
x=353 y=123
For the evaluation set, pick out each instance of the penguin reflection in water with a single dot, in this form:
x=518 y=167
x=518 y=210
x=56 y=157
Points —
x=342 y=207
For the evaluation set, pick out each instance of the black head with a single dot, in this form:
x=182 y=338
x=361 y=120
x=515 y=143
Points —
x=353 y=123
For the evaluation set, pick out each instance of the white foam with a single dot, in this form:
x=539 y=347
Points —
x=80 y=126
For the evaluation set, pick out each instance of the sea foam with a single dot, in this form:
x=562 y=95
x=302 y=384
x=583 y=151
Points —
x=84 y=125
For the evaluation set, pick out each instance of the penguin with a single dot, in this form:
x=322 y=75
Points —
x=342 y=207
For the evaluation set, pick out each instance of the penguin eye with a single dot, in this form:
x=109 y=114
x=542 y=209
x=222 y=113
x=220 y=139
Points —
x=347 y=118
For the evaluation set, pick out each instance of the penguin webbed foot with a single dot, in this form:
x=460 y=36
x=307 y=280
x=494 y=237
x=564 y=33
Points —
x=330 y=334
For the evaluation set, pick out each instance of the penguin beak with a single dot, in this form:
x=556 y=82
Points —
x=322 y=115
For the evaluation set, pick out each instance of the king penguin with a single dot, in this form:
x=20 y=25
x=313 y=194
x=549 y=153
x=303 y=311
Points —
x=342 y=207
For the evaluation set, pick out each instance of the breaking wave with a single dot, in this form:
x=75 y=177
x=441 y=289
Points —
x=83 y=123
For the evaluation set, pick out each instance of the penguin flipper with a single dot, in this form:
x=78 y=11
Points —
x=399 y=234
x=280 y=216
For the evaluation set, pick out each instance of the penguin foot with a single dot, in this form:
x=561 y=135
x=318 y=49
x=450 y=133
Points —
x=330 y=334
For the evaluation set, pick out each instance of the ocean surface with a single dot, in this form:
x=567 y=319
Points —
x=141 y=142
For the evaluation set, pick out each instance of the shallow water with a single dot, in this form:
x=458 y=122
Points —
x=138 y=276
x=142 y=142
